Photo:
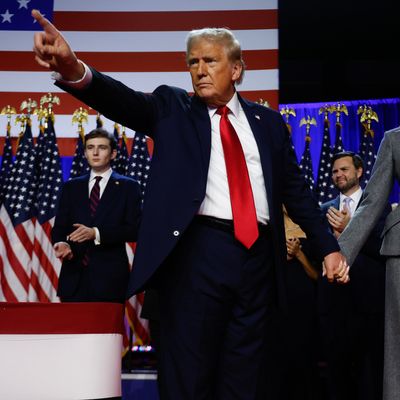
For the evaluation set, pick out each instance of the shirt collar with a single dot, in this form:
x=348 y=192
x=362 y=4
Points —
x=233 y=105
x=105 y=175
x=356 y=196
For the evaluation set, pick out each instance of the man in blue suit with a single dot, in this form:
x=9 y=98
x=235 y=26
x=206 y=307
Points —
x=352 y=316
x=212 y=240
x=89 y=236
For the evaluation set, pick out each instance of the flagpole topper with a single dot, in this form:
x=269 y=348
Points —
x=367 y=116
x=339 y=109
x=8 y=111
x=308 y=121
x=79 y=117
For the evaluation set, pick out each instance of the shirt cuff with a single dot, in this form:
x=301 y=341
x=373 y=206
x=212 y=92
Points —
x=80 y=83
x=97 y=238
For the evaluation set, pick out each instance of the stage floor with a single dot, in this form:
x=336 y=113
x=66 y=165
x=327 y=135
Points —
x=140 y=385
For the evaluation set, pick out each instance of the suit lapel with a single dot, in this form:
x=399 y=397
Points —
x=359 y=201
x=337 y=203
x=82 y=197
x=108 y=197
x=198 y=113
x=262 y=138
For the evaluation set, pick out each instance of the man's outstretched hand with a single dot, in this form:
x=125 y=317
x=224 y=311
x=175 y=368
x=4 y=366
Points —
x=53 y=52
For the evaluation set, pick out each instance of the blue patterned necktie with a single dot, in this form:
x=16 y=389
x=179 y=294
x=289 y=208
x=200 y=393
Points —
x=346 y=203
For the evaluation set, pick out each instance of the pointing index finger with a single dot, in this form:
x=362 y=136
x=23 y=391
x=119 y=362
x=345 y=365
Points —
x=44 y=22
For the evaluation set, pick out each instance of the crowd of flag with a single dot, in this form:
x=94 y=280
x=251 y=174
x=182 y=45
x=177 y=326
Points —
x=323 y=187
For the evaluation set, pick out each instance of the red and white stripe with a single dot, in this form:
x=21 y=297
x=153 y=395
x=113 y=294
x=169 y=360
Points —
x=16 y=247
x=133 y=309
x=28 y=267
x=45 y=266
x=143 y=45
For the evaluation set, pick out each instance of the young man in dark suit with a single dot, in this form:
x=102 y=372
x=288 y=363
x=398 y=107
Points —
x=352 y=316
x=212 y=239
x=97 y=214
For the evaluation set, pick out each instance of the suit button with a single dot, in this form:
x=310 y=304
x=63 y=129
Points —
x=176 y=233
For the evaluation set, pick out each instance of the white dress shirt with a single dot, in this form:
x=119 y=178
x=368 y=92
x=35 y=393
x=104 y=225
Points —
x=103 y=182
x=217 y=202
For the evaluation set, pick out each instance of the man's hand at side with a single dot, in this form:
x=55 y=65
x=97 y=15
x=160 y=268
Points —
x=335 y=268
x=63 y=251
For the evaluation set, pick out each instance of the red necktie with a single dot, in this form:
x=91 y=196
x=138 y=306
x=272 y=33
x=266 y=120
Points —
x=242 y=202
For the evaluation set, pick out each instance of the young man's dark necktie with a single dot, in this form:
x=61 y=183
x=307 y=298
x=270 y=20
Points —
x=241 y=195
x=95 y=196
x=94 y=200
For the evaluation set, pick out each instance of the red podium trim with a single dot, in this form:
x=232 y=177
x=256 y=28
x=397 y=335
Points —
x=55 y=318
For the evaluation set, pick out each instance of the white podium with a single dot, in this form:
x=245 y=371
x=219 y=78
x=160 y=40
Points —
x=60 y=351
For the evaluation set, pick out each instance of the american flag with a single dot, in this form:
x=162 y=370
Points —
x=140 y=43
x=338 y=139
x=367 y=153
x=17 y=223
x=367 y=150
x=324 y=181
x=138 y=169
x=133 y=308
x=79 y=164
x=306 y=164
x=332 y=192
x=120 y=162
x=6 y=164
x=306 y=160
x=45 y=265
x=139 y=161
x=124 y=154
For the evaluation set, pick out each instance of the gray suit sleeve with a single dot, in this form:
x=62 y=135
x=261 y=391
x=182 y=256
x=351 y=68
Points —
x=375 y=198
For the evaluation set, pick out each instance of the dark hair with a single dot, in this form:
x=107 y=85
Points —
x=357 y=160
x=102 y=133
x=221 y=36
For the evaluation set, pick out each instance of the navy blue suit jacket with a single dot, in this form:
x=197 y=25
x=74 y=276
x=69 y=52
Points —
x=181 y=129
x=366 y=290
x=117 y=218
